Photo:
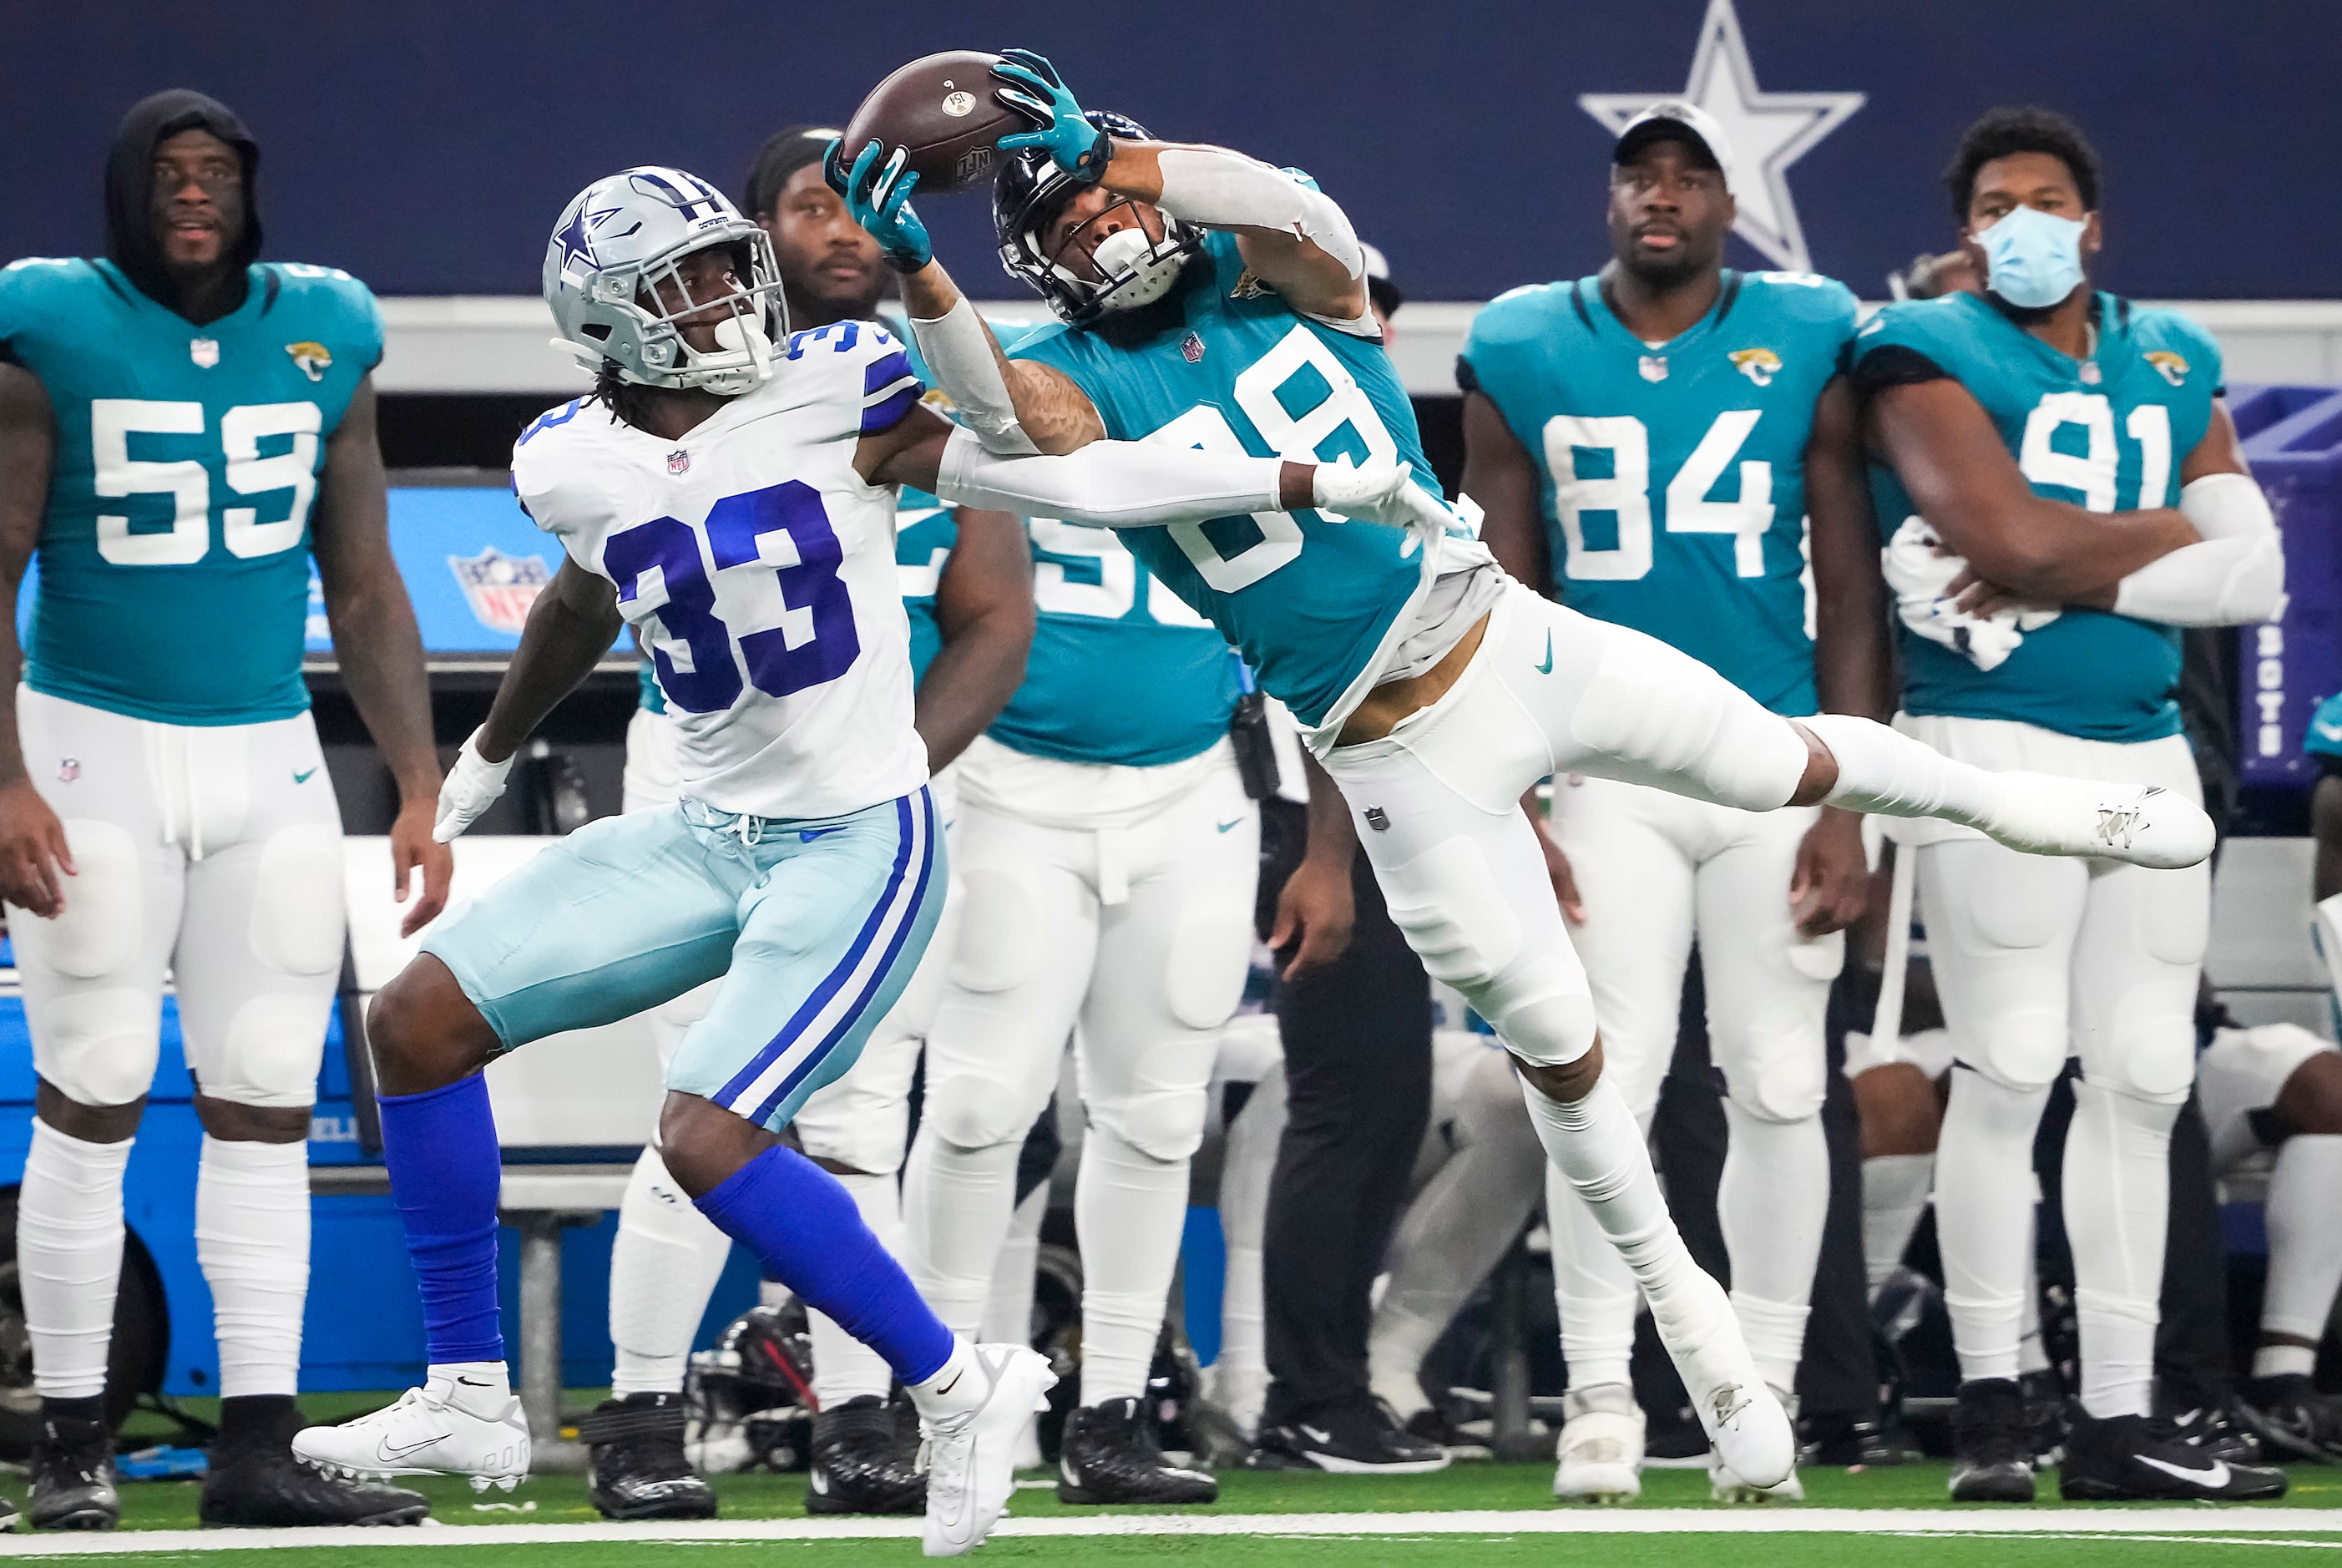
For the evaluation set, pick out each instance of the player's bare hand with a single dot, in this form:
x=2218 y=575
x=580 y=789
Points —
x=1977 y=597
x=413 y=849
x=32 y=850
x=1830 y=887
x=1314 y=912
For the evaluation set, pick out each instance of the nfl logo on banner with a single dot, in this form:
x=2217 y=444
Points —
x=499 y=588
x=678 y=462
x=1191 y=349
x=204 y=351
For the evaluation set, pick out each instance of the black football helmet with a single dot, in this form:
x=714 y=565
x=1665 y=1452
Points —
x=1026 y=195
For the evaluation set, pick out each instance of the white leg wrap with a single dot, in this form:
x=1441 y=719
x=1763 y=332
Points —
x=69 y=1257
x=1008 y=1310
x=252 y=1237
x=2304 y=1267
x=844 y=1367
x=663 y=1268
x=1130 y=1208
x=2117 y=1192
x=1894 y=1189
x=1983 y=1217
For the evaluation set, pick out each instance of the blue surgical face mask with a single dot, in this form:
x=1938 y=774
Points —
x=2033 y=259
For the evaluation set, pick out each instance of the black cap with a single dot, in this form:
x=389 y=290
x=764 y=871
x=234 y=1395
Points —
x=785 y=152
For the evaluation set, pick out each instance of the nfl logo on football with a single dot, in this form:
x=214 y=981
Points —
x=500 y=588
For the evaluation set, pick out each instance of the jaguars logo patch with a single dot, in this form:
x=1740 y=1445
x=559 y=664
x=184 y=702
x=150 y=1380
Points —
x=1247 y=287
x=1759 y=365
x=313 y=359
x=2169 y=365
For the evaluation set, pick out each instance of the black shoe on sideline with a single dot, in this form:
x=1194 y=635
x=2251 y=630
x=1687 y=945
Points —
x=2045 y=1416
x=858 y=1465
x=1358 y=1439
x=1992 y=1448
x=639 y=1467
x=2221 y=1431
x=1109 y=1454
x=73 y=1471
x=1842 y=1439
x=265 y=1488
x=2126 y=1458
x=2292 y=1417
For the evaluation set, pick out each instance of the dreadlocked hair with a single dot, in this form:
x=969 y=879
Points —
x=624 y=399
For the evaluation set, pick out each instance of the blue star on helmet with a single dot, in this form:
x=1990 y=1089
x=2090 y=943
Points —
x=576 y=236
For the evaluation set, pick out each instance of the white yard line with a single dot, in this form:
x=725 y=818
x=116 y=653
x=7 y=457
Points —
x=2267 y=1526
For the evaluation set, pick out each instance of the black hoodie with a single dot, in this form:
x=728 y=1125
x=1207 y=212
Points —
x=130 y=240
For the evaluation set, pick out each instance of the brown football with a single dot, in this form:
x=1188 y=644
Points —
x=943 y=110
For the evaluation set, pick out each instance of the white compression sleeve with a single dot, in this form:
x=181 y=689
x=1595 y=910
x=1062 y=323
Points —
x=958 y=348
x=2235 y=575
x=1223 y=189
x=1113 y=483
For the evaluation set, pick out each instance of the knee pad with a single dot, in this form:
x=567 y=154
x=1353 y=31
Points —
x=2023 y=1051
x=1661 y=715
x=98 y=1047
x=1454 y=915
x=1783 y=1087
x=855 y=1130
x=299 y=904
x=1550 y=1030
x=98 y=930
x=273 y=1047
x=1166 y=1125
x=2153 y=1061
x=1204 y=970
x=995 y=949
x=1250 y=1049
x=969 y=1112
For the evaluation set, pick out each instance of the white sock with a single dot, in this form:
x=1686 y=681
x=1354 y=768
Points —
x=252 y=1238
x=956 y=1204
x=69 y=1257
x=1248 y=1161
x=1130 y=1210
x=1008 y=1309
x=1771 y=1203
x=1593 y=1292
x=2117 y=1189
x=664 y=1265
x=959 y=1387
x=844 y=1367
x=1983 y=1217
x=1884 y=770
x=2305 y=1250
x=483 y=1388
x=1894 y=1189
x=1596 y=1145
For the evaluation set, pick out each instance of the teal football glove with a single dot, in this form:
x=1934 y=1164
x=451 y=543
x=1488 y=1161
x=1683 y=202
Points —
x=879 y=196
x=1036 y=89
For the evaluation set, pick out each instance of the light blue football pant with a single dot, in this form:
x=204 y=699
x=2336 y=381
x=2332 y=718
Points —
x=814 y=927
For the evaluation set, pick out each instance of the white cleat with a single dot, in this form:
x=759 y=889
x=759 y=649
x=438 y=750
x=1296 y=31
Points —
x=1724 y=1486
x=427 y=1432
x=1745 y=1424
x=2142 y=824
x=1601 y=1446
x=971 y=1459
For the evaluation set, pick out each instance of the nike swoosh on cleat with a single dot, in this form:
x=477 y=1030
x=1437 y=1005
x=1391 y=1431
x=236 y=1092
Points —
x=389 y=1455
x=2214 y=1475
x=1314 y=1435
x=1546 y=668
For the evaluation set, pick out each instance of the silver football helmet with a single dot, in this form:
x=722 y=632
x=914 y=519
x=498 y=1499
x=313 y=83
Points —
x=619 y=241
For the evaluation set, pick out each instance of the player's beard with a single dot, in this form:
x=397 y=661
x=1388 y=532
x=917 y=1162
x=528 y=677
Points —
x=1664 y=273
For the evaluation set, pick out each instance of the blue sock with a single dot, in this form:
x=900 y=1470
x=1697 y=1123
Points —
x=803 y=1226
x=444 y=1173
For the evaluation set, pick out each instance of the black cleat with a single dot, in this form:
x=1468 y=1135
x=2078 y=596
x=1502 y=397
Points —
x=2132 y=1458
x=1843 y=1439
x=1992 y=1446
x=1359 y=1439
x=2221 y=1431
x=1110 y=1455
x=2292 y=1417
x=2044 y=1398
x=639 y=1470
x=265 y=1488
x=858 y=1463
x=73 y=1474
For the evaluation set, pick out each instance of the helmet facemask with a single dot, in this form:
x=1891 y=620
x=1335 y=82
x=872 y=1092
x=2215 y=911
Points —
x=1130 y=267
x=756 y=316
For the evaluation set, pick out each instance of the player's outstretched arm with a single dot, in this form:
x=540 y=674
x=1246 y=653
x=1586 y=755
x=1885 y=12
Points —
x=1945 y=448
x=984 y=608
x=572 y=624
x=1295 y=237
x=380 y=648
x=1016 y=407
x=32 y=848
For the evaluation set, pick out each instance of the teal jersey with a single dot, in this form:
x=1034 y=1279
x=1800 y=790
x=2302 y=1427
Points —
x=1310 y=601
x=1121 y=671
x=925 y=534
x=174 y=544
x=2109 y=433
x=2324 y=740
x=1673 y=475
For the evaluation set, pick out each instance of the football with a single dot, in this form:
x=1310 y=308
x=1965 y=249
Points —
x=941 y=108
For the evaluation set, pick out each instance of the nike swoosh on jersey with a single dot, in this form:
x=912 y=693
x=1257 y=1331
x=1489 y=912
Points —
x=300 y=777
x=1546 y=668
x=2214 y=1475
x=1225 y=826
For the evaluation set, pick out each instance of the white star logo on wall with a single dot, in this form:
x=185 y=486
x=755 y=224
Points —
x=1769 y=131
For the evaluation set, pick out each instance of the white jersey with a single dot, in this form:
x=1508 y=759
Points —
x=759 y=569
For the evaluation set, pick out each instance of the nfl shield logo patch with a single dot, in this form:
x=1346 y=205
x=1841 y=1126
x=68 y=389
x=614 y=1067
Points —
x=68 y=770
x=678 y=462
x=204 y=351
x=1191 y=349
x=1654 y=366
x=500 y=588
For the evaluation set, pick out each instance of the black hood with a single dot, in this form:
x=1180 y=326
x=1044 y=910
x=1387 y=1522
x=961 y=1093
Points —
x=130 y=184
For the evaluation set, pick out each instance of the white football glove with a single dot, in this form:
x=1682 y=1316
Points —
x=471 y=786
x=1378 y=491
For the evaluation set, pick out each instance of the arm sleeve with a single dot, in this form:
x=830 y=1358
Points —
x=1110 y=484
x=2233 y=576
x=1223 y=189
x=959 y=351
